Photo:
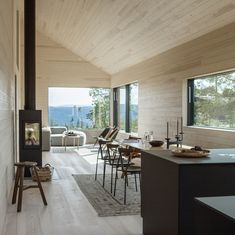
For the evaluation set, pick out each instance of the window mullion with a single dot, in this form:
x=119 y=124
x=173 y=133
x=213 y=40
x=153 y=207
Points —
x=190 y=119
x=115 y=106
x=127 y=108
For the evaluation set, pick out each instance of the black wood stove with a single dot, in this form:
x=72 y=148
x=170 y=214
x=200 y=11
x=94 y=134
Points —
x=30 y=134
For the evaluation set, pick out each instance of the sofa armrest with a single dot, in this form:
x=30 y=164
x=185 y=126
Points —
x=46 y=139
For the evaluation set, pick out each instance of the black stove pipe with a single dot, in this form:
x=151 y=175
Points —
x=29 y=53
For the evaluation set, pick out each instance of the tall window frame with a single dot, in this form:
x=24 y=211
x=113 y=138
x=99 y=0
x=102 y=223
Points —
x=220 y=97
x=116 y=107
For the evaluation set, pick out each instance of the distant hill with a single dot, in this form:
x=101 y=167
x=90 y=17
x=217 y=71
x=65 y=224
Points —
x=76 y=116
x=70 y=116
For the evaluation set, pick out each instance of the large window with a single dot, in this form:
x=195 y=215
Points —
x=79 y=107
x=211 y=101
x=122 y=108
x=133 y=107
x=126 y=107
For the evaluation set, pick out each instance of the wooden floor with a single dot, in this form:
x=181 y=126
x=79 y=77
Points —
x=68 y=211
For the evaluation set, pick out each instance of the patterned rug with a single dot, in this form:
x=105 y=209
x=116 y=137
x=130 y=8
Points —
x=103 y=201
x=62 y=149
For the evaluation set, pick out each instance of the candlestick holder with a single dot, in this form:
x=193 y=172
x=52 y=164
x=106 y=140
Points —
x=178 y=140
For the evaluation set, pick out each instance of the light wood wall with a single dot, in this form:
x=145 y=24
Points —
x=58 y=67
x=7 y=97
x=162 y=87
x=117 y=34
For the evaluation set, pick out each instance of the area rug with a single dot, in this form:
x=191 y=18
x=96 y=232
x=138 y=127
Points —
x=86 y=149
x=62 y=149
x=102 y=200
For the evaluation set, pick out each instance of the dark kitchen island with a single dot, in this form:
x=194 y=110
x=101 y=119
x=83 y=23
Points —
x=215 y=215
x=170 y=184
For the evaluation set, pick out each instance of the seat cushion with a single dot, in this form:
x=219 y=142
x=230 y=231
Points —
x=56 y=139
x=58 y=129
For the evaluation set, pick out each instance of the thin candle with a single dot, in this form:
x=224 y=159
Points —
x=181 y=124
x=167 y=129
x=177 y=126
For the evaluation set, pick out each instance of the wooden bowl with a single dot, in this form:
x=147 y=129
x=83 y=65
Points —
x=156 y=143
x=181 y=152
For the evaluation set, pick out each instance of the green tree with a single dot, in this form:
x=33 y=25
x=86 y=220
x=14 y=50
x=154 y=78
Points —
x=214 y=103
x=101 y=107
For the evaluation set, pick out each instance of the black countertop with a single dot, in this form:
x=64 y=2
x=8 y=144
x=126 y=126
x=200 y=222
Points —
x=216 y=156
x=224 y=205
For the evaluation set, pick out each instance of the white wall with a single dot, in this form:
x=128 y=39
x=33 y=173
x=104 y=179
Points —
x=58 y=67
x=6 y=104
x=161 y=85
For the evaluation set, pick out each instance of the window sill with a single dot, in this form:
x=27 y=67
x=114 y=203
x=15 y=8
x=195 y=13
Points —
x=209 y=128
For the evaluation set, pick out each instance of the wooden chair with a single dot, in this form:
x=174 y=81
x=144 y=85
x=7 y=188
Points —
x=103 y=134
x=111 y=158
x=19 y=186
x=102 y=148
x=127 y=168
x=136 y=152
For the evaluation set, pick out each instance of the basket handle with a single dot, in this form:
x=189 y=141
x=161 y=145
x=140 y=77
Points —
x=48 y=165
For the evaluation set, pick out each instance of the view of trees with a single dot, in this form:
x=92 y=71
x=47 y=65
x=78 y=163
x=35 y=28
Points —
x=214 y=101
x=79 y=108
x=100 y=112
x=91 y=110
x=132 y=100
x=134 y=107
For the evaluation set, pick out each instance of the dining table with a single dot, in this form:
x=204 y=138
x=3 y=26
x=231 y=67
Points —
x=145 y=145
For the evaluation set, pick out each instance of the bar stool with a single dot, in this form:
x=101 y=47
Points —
x=19 y=183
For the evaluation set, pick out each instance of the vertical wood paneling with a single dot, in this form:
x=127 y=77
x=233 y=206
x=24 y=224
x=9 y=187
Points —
x=162 y=85
x=6 y=106
x=58 y=67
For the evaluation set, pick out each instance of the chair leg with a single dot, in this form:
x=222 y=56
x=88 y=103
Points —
x=111 y=190
x=115 y=183
x=20 y=194
x=136 y=184
x=17 y=177
x=127 y=182
x=140 y=181
x=40 y=186
x=97 y=161
x=104 y=170
x=96 y=141
x=125 y=189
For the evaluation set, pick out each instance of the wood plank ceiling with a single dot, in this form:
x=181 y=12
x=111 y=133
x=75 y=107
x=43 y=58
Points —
x=116 y=34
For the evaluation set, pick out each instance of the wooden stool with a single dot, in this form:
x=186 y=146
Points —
x=19 y=183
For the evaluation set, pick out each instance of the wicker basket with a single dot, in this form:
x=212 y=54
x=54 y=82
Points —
x=45 y=173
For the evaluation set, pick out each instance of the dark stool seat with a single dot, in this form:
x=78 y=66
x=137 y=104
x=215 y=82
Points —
x=26 y=164
x=19 y=183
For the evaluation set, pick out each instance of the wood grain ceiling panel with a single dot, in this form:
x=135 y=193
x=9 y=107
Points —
x=116 y=34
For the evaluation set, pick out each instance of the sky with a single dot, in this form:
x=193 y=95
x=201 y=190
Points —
x=61 y=96
x=69 y=96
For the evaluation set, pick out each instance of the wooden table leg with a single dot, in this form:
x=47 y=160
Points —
x=21 y=176
x=40 y=186
x=17 y=177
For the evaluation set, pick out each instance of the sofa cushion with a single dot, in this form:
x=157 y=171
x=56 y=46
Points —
x=57 y=140
x=46 y=139
x=57 y=133
x=58 y=129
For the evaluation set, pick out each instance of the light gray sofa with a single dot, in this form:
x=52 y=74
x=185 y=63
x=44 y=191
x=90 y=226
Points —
x=46 y=139
x=57 y=136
